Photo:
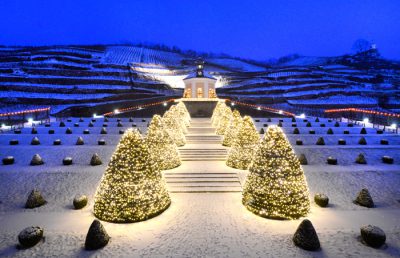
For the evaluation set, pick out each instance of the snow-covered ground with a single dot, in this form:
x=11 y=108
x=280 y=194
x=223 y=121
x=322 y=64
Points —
x=199 y=224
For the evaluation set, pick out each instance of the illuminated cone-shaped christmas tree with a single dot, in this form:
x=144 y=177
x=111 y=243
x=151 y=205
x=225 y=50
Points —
x=217 y=113
x=174 y=128
x=224 y=121
x=244 y=145
x=233 y=129
x=162 y=148
x=184 y=113
x=132 y=187
x=180 y=120
x=276 y=186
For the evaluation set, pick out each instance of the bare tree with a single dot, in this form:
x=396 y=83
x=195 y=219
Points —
x=361 y=45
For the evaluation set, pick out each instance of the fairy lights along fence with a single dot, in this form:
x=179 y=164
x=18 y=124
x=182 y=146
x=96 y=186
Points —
x=375 y=117
x=20 y=117
x=139 y=107
x=255 y=108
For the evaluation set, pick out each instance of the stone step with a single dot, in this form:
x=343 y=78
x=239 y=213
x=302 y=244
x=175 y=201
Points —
x=201 y=180
x=183 y=151
x=205 y=184
x=202 y=159
x=205 y=189
x=198 y=173
x=200 y=176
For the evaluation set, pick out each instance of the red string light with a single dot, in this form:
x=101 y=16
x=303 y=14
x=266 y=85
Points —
x=139 y=107
x=358 y=110
x=262 y=108
x=22 y=112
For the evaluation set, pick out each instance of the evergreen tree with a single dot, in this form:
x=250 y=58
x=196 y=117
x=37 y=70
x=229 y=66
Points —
x=244 y=145
x=174 y=128
x=184 y=113
x=276 y=186
x=161 y=146
x=132 y=187
x=217 y=113
x=224 y=121
x=233 y=129
x=179 y=118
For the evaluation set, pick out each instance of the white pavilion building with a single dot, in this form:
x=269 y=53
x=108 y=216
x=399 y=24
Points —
x=199 y=85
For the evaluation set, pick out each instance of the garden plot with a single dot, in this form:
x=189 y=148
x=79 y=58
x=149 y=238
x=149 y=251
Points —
x=206 y=224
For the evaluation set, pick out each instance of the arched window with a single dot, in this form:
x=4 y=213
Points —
x=200 y=92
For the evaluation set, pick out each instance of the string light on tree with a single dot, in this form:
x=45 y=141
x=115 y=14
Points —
x=224 y=121
x=132 y=188
x=233 y=129
x=174 y=128
x=244 y=145
x=276 y=186
x=217 y=113
x=161 y=146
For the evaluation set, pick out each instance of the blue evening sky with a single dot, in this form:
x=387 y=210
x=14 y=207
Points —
x=255 y=29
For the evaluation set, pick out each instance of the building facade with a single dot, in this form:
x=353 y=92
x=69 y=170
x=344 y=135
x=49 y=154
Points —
x=199 y=85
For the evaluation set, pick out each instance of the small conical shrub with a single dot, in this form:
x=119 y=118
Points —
x=306 y=237
x=320 y=141
x=362 y=141
x=95 y=160
x=308 y=124
x=296 y=131
x=337 y=124
x=103 y=130
x=35 y=141
x=317 y=120
x=330 y=131
x=363 y=131
x=34 y=130
x=36 y=160
x=361 y=159
x=68 y=131
x=303 y=159
x=80 y=141
x=262 y=131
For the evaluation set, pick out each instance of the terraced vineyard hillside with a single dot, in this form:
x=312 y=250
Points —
x=66 y=76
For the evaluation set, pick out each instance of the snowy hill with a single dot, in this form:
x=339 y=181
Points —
x=65 y=76
x=362 y=80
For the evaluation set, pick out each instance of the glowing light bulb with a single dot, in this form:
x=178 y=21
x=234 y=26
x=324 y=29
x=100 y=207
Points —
x=116 y=111
x=366 y=120
x=280 y=112
x=232 y=104
x=259 y=108
x=30 y=120
x=393 y=126
x=165 y=104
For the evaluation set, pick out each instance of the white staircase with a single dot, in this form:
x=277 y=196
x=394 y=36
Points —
x=203 y=168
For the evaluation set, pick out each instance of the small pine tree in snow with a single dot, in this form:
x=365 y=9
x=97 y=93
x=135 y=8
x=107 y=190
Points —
x=233 y=129
x=161 y=146
x=132 y=187
x=276 y=186
x=244 y=145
